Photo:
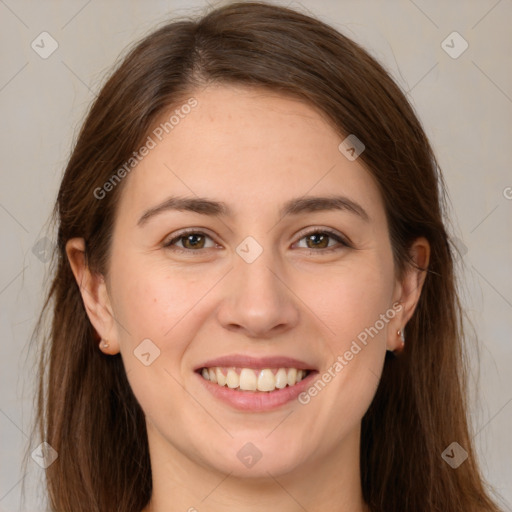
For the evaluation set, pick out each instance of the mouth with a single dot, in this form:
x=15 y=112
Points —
x=255 y=384
x=263 y=380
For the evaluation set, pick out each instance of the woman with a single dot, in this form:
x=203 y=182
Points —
x=254 y=301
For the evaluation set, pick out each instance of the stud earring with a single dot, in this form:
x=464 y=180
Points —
x=104 y=344
x=400 y=333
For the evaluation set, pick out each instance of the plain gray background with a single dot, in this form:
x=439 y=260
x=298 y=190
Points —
x=464 y=103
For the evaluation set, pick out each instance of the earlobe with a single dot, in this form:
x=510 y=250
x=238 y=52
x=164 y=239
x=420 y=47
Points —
x=94 y=295
x=409 y=290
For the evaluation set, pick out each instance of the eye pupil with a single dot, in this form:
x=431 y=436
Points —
x=192 y=240
x=320 y=240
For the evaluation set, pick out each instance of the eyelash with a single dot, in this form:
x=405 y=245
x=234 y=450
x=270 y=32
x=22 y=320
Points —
x=331 y=234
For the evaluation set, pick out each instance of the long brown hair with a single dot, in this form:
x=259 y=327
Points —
x=86 y=410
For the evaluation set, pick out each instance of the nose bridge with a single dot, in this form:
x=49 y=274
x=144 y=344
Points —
x=257 y=300
x=257 y=268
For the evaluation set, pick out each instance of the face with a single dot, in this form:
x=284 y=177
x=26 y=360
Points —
x=279 y=261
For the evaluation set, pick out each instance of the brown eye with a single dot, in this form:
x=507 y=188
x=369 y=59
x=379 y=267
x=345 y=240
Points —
x=320 y=239
x=317 y=240
x=193 y=241
x=190 y=241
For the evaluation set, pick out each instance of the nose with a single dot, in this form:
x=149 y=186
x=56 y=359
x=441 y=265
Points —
x=258 y=301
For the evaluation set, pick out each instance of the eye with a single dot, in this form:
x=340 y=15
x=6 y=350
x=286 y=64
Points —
x=320 y=238
x=317 y=240
x=190 y=241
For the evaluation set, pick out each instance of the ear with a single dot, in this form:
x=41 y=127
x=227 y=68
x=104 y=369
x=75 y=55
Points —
x=408 y=290
x=94 y=295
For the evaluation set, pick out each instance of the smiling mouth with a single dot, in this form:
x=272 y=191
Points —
x=250 y=379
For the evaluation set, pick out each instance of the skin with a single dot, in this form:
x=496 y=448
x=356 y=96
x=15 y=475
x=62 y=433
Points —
x=254 y=150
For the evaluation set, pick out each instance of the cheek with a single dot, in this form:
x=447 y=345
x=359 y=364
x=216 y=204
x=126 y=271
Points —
x=156 y=303
x=353 y=300
x=152 y=299
x=356 y=310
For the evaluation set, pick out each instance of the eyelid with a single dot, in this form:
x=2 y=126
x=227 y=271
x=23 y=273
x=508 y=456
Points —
x=329 y=231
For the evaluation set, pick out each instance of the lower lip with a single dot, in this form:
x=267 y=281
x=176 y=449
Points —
x=257 y=401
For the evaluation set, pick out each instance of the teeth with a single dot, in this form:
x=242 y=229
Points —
x=232 y=379
x=266 y=381
x=221 y=378
x=281 y=378
x=292 y=376
x=247 y=379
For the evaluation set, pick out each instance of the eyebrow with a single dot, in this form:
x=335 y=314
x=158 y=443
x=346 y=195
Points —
x=296 y=206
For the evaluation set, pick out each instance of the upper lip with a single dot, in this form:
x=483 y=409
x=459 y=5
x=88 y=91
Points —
x=257 y=363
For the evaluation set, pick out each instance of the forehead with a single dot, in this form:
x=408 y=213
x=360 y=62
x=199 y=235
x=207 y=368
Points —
x=249 y=148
